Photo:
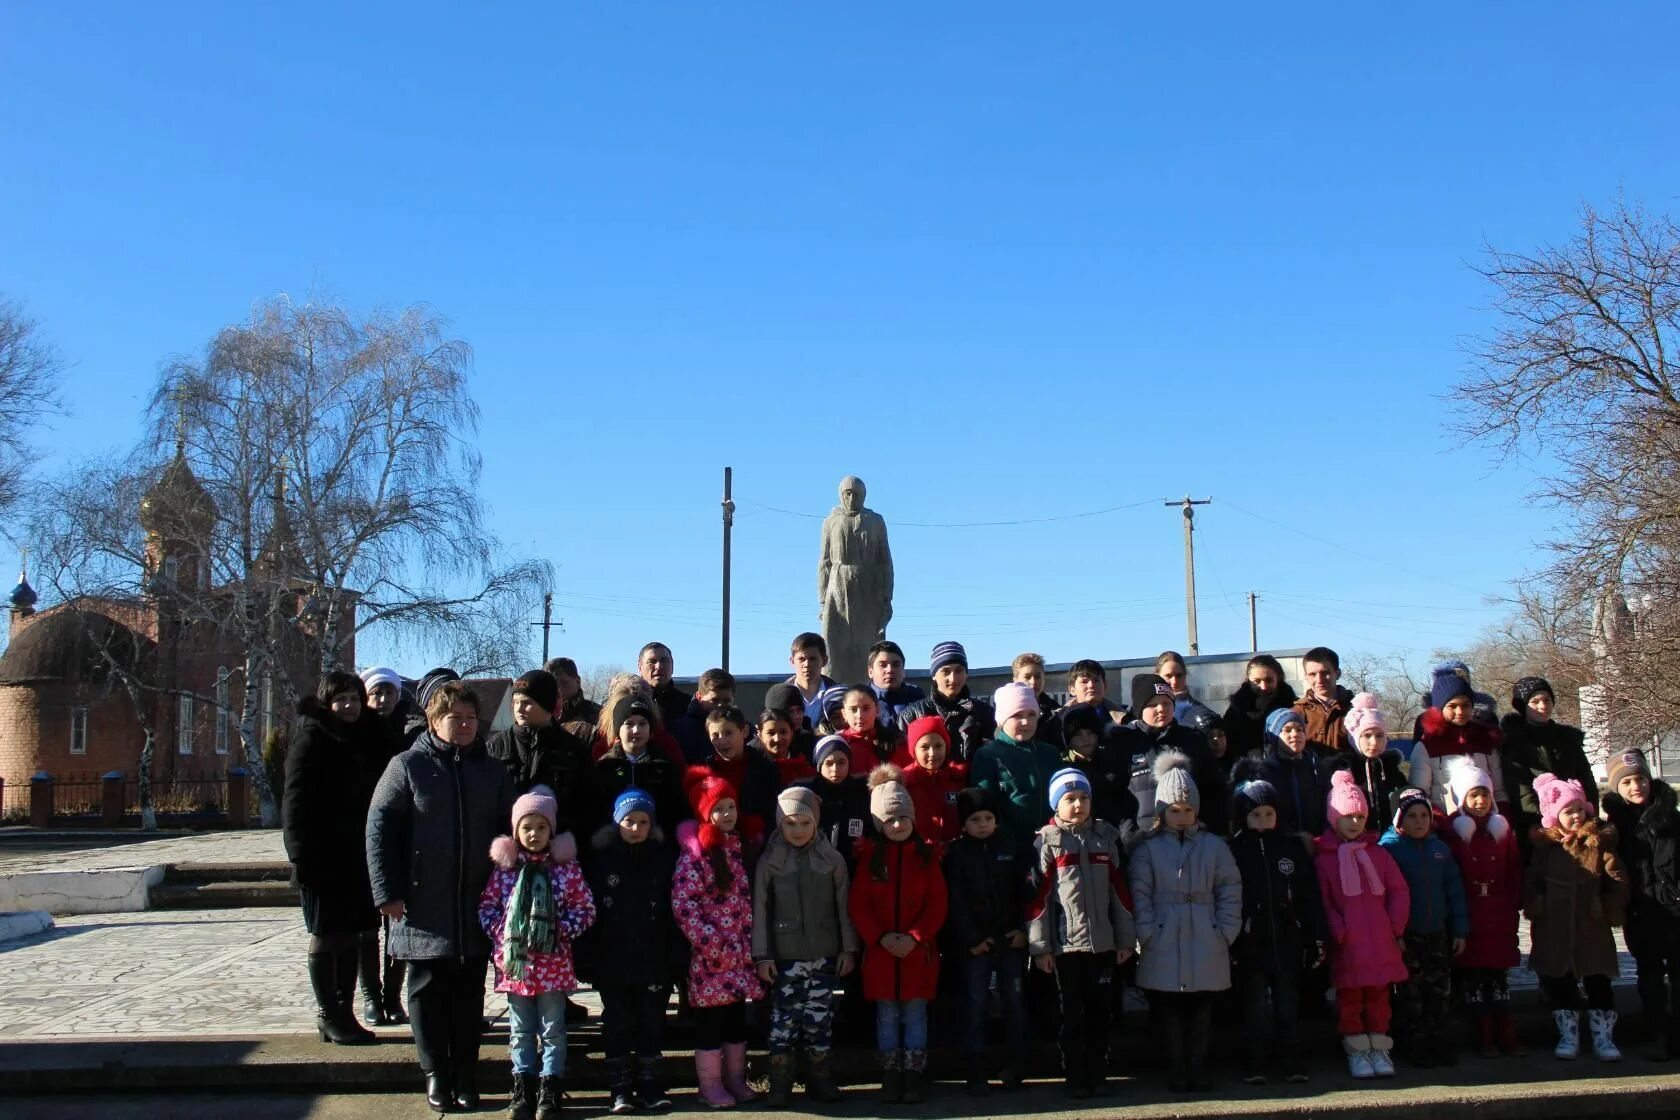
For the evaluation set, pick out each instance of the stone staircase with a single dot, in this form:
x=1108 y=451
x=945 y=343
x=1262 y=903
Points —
x=224 y=886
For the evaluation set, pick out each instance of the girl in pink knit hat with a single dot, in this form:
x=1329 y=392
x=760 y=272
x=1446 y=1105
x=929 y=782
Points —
x=1575 y=892
x=1366 y=903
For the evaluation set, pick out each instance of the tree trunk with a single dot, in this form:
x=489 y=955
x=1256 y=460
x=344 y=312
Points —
x=143 y=781
x=330 y=646
x=255 y=765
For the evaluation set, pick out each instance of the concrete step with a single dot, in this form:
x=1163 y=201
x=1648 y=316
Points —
x=265 y=871
x=222 y=895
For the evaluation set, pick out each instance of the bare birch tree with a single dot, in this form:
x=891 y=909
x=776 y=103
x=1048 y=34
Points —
x=30 y=368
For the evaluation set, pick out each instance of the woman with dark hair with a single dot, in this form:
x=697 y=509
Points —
x=1262 y=692
x=331 y=769
x=434 y=814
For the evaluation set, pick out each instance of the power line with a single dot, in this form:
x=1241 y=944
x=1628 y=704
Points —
x=958 y=524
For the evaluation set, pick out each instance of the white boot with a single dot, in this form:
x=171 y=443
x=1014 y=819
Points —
x=1603 y=1025
x=1569 y=1034
x=1382 y=1063
x=1358 y=1049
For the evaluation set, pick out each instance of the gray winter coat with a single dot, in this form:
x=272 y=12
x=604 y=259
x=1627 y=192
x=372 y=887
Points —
x=1079 y=893
x=434 y=814
x=1187 y=899
x=800 y=898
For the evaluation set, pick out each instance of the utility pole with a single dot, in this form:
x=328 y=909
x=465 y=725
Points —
x=548 y=622
x=1253 y=625
x=1189 y=505
x=728 y=525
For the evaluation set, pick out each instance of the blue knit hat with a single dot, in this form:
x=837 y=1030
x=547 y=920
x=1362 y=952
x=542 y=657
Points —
x=947 y=653
x=1248 y=797
x=630 y=801
x=1448 y=686
x=1065 y=781
x=826 y=746
x=1276 y=721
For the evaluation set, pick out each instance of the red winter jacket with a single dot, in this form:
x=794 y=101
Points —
x=1491 y=864
x=934 y=793
x=869 y=749
x=909 y=899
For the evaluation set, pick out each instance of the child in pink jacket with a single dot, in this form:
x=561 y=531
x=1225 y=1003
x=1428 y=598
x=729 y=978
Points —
x=1366 y=904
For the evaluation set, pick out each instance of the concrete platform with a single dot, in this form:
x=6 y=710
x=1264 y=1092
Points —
x=112 y=874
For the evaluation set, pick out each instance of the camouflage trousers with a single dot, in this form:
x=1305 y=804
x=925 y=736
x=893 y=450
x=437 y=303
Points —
x=802 y=1007
x=1420 y=1004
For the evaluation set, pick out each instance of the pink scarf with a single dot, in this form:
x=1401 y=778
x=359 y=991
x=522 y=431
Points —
x=1352 y=858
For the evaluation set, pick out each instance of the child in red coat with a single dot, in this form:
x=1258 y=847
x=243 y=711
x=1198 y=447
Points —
x=898 y=906
x=871 y=743
x=1485 y=846
x=933 y=780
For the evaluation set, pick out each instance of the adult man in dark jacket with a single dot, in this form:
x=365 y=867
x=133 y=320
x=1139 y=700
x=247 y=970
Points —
x=657 y=667
x=434 y=813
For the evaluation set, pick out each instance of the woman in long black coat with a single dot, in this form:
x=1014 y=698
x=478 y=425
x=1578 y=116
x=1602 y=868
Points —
x=332 y=767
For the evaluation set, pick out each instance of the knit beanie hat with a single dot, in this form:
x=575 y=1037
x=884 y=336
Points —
x=1012 y=698
x=1199 y=717
x=974 y=800
x=947 y=653
x=1066 y=781
x=1248 y=797
x=1463 y=775
x=538 y=802
x=1527 y=689
x=1408 y=797
x=1082 y=717
x=887 y=796
x=1447 y=687
x=628 y=706
x=705 y=793
x=926 y=725
x=1276 y=721
x=832 y=699
x=1346 y=798
x=431 y=682
x=1173 y=783
x=1625 y=764
x=784 y=696
x=1364 y=712
x=1145 y=687
x=379 y=674
x=799 y=799
x=826 y=746
x=632 y=800
x=541 y=687
x=1555 y=795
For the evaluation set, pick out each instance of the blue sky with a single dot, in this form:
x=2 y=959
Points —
x=1004 y=261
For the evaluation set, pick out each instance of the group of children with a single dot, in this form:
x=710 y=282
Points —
x=878 y=854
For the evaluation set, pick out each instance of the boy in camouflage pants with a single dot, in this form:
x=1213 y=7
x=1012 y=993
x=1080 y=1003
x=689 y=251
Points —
x=803 y=941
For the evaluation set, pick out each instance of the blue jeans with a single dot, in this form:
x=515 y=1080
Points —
x=1010 y=966
x=890 y=1014
x=534 y=1017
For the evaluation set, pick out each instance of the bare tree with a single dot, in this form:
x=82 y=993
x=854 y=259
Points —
x=29 y=376
x=1391 y=681
x=1581 y=366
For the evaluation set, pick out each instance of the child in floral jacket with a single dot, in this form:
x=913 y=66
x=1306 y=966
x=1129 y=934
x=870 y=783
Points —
x=711 y=896
x=535 y=904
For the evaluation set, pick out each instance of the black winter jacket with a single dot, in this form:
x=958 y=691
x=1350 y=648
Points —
x=1379 y=779
x=1143 y=745
x=1302 y=784
x=972 y=723
x=552 y=756
x=1245 y=717
x=429 y=829
x=845 y=813
x=332 y=768
x=1529 y=750
x=653 y=773
x=1283 y=913
x=986 y=883
x=635 y=939
x=1648 y=839
x=1110 y=774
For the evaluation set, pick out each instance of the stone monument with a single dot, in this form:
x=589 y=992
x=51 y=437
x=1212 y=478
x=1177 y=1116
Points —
x=854 y=582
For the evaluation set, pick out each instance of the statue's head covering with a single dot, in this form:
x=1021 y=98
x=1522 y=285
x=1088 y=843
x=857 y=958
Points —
x=853 y=482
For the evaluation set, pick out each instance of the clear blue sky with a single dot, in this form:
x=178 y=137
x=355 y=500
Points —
x=1005 y=261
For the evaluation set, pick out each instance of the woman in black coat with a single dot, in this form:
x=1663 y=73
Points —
x=332 y=766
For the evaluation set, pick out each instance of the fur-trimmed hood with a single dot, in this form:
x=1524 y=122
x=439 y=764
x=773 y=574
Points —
x=506 y=852
x=1443 y=738
x=1464 y=826
x=1593 y=837
x=1246 y=699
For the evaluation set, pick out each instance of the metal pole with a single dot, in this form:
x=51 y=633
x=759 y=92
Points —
x=548 y=613
x=1253 y=625
x=1189 y=505
x=728 y=525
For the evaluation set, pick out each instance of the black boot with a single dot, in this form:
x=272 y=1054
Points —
x=439 y=1096
x=367 y=972
x=549 y=1098
x=1198 y=1034
x=395 y=973
x=522 y=1100
x=979 y=1081
x=466 y=1088
x=621 y=1096
x=648 y=1089
x=336 y=1022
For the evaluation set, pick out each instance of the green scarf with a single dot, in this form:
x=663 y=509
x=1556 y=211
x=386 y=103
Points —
x=530 y=919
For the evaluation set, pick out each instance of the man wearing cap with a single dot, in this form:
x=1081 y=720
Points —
x=971 y=722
